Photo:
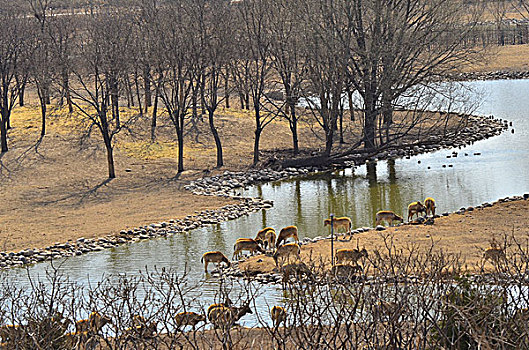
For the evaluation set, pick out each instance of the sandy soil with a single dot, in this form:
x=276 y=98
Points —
x=468 y=234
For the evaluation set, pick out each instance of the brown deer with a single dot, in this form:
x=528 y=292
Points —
x=246 y=244
x=388 y=217
x=225 y=317
x=279 y=315
x=261 y=235
x=343 y=222
x=285 y=251
x=429 y=203
x=188 y=319
x=215 y=257
x=351 y=255
x=285 y=233
x=415 y=208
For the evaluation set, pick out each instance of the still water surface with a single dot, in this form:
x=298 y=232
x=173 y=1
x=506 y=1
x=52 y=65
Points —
x=501 y=170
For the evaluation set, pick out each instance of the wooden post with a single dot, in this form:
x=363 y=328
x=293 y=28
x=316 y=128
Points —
x=332 y=239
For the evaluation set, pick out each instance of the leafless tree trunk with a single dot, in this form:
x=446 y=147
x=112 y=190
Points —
x=287 y=58
x=254 y=38
x=326 y=69
x=13 y=53
x=176 y=44
x=103 y=48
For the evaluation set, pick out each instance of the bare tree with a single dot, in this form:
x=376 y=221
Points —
x=394 y=45
x=147 y=53
x=41 y=56
x=326 y=68
x=102 y=42
x=215 y=46
x=287 y=58
x=254 y=39
x=13 y=57
x=61 y=34
x=178 y=70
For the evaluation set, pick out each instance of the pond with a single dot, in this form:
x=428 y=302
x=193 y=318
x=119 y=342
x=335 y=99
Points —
x=500 y=170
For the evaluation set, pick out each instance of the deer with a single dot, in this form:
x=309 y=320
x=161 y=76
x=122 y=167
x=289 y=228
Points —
x=279 y=315
x=215 y=257
x=352 y=255
x=285 y=233
x=429 y=203
x=261 y=235
x=226 y=316
x=189 y=318
x=246 y=244
x=388 y=217
x=415 y=208
x=285 y=251
x=343 y=222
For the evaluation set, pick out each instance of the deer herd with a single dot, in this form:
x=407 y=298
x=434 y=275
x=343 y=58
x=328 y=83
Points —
x=282 y=247
x=285 y=246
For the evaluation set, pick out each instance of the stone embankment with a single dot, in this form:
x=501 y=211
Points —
x=478 y=128
x=229 y=184
x=162 y=229
x=495 y=75
x=277 y=277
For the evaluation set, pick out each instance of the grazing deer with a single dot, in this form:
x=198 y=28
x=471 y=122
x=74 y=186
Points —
x=279 y=315
x=352 y=255
x=415 y=208
x=227 y=302
x=141 y=329
x=429 y=203
x=261 y=235
x=345 y=271
x=285 y=233
x=296 y=269
x=270 y=239
x=93 y=324
x=225 y=317
x=388 y=217
x=494 y=253
x=215 y=257
x=246 y=244
x=188 y=319
x=285 y=251
x=87 y=330
x=343 y=222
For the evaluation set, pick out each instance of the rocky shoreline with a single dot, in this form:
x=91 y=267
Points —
x=162 y=229
x=494 y=75
x=277 y=277
x=229 y=183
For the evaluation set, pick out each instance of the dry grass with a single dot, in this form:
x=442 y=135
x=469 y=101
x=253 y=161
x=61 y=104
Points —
x=506 y=58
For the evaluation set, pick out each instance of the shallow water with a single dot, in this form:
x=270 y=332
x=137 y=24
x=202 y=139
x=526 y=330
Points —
x=501 y=170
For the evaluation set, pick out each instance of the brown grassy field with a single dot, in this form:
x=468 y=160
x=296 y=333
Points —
x=503 y=58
